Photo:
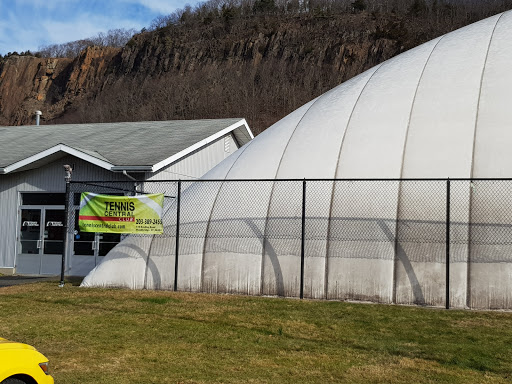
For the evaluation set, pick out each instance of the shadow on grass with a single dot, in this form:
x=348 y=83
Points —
x=75 y=281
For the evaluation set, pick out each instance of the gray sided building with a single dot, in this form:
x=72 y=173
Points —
x=32 y=185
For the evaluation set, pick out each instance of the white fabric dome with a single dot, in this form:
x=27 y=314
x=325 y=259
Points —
x=439 y=110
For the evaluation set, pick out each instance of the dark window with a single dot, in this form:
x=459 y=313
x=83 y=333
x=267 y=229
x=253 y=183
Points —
x=43 y=198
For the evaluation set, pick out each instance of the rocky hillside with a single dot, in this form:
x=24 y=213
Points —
x=259 y=67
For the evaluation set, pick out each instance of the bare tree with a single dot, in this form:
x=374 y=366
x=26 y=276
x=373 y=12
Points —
x=113 y=38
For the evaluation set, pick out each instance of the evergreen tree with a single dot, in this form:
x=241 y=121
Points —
x=359 y=5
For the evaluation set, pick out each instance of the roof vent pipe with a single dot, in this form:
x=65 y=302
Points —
x=38 y=116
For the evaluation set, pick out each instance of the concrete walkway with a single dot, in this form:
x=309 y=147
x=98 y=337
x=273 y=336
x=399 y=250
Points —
x=7 y=281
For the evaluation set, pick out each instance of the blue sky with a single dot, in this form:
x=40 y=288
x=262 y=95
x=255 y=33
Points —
x=29 y=24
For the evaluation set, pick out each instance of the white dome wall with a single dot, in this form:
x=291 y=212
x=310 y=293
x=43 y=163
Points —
x=439 y=110
x=373 y=150
x=220 y=267
x=440 y=142
x=322 y=128
x=492 y=158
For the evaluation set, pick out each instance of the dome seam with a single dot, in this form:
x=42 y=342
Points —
x=294 y=130
x=480 y=94
x=413 y=103
x=327 y=248
x=265 y=241
x=398 y=201
x=470 y=208
x=351 y=114
x=213 y=208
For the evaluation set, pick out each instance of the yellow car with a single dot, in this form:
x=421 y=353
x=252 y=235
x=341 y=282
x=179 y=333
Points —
x=22 y=364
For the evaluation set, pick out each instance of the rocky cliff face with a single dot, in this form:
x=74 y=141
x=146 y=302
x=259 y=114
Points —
x=337 y=42
x=260 y=68
x=28 y=84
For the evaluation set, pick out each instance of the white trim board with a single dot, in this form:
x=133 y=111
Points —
x=50 y=151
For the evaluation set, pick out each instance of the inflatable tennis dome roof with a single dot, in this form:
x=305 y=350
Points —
x=440 y=110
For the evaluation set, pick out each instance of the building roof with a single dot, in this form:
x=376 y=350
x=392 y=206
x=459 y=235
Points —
x=133 y=146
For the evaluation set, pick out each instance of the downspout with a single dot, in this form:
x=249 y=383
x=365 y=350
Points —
x=131 y=178
x=128 y=176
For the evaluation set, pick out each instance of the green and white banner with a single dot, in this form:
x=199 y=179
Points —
x=121 y=214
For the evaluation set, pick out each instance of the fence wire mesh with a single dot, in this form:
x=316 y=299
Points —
x=389 y=221
x=344 y=218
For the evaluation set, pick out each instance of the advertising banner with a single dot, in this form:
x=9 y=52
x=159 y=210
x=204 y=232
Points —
x=121 y=214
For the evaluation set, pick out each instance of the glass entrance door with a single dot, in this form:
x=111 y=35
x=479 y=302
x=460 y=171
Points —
x=52 y=242
x=40 y=240
x=28 y=260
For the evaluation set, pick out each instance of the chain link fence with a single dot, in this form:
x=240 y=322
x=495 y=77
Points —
x=334 y=239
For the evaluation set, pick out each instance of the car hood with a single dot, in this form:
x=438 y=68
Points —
x=6 y=344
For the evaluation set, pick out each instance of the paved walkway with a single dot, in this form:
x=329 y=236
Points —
x=7 y=281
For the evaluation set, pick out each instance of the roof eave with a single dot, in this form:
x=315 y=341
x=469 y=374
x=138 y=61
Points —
x=132 y=168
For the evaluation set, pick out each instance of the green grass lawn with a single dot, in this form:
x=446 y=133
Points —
x=121 y=336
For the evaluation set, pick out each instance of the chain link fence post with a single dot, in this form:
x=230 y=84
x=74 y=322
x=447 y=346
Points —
x=302 y=240
x=178 y=205
x=65 y=251
x=448 y=243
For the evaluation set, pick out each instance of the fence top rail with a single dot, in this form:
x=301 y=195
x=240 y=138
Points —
x=283 y=180
x=103 y=186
